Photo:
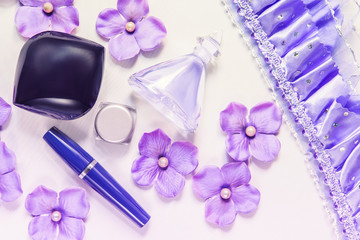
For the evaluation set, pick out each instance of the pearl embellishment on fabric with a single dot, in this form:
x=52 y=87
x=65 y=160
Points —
x=225 y=193
x=250 y=131
x=56 y=216
x=48 y=7
x=130 y=27
x=163 y=162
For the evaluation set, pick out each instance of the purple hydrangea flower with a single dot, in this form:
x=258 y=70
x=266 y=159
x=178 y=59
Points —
x=254 y=136
x=50 y=212
x=129 y=30
x=168 y=162
x=35 y=16
x=226 y=192
x=10 y=184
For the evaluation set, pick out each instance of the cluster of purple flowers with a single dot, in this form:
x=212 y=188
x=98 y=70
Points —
x=227 y=190
x=127 y=27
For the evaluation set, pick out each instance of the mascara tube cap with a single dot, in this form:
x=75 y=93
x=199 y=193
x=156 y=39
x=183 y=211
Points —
x=73 y=155
x=95 y=175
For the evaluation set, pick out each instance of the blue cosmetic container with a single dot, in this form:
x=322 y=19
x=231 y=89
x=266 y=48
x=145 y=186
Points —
x=58 y=75
x=95 y=175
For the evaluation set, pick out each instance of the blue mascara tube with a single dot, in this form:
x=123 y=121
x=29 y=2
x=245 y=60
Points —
x=95 y=175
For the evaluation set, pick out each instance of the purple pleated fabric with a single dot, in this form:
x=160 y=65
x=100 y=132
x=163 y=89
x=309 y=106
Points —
x=305 y=45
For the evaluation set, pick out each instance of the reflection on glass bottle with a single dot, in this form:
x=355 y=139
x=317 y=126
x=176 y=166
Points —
x=176 y=87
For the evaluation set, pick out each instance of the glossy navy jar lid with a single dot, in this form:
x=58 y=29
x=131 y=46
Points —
x=58 y=75
x=115 y=123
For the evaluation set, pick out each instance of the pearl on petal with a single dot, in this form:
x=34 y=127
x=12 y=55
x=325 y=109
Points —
x=130 y=27
x=56 y=216
x=163 y=162
x=225 y=193
x=250 y=131
x=48 y=7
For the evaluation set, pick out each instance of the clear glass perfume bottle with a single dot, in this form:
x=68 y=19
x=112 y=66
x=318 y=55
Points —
x=176 y=87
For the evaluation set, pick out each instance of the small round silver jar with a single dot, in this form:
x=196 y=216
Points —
x=115 y=123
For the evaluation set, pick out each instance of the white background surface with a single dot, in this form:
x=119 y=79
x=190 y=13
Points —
x=290 y=207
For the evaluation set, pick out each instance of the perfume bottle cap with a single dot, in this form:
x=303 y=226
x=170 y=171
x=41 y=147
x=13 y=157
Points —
x=209 y=46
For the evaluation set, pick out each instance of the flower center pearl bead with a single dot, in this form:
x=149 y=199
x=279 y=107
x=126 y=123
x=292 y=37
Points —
x=163 y=162
x=56 y=216
x=225 y=193
x=250 y=131
x=48 y=7
x=130 y=27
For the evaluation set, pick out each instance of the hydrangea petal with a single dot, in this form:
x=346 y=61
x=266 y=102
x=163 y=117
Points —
x=33 y=3
x=74 y=203
x=10 y=186
x=266 y=118
x=7 y=159
x=39 y=21
x=42 y=227
x=59 y=3
x=133 y=10
x=123 y=47
x=65 y=19
x=110 y=23
x=208 y=182
x=154 y=144
x=236 y=173
x=219 y=211
x=41 y=201
x=5 y=110
x=71 y=228
x=183 y=157
x=233 y=118
x=169 y=183
x=237 y=146
x=246 y=198
x=149 y=33
x=144 y=170
x=265 y=147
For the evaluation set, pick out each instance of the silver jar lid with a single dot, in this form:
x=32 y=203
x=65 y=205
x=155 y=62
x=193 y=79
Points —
x=115 y=123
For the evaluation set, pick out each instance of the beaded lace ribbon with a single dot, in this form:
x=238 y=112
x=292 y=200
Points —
x=278 y=71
